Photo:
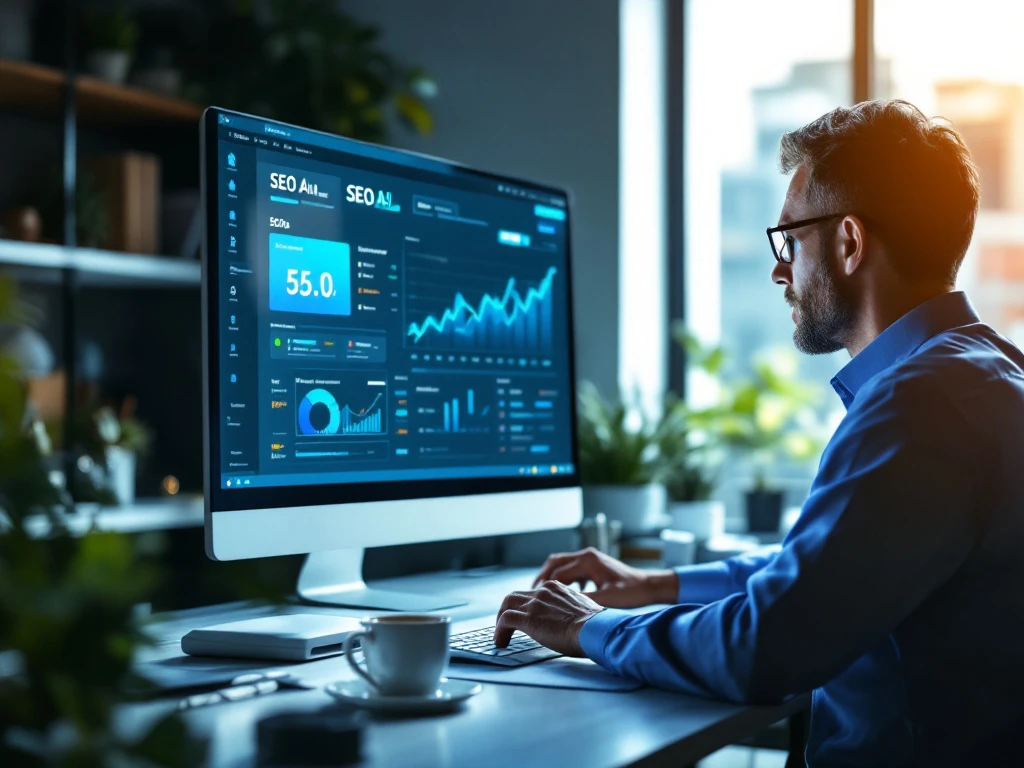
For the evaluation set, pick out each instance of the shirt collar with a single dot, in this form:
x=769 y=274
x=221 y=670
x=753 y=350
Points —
x=901 y=339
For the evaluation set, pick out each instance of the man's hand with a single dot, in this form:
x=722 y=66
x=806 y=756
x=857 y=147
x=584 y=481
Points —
x=552 y=615
x=618 y=585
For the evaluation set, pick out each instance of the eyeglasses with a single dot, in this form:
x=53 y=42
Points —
x=784 y=243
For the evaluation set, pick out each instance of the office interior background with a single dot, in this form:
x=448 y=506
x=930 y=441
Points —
x=662 y=117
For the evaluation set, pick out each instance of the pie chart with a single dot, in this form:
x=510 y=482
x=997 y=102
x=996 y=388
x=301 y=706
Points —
x=319 y=413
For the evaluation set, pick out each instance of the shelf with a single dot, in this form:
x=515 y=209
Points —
x=35 y=262
x=40 y=89
x=143 y=515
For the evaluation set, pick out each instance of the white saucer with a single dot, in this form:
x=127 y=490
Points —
x=448 y=694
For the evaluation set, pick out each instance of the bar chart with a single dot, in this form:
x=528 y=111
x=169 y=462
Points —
x=461 y=415
x=450 y=409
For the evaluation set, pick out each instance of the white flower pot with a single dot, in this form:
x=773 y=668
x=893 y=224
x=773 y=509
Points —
x=704 y=519
x=121 y=469
x=640 y=508
x=678 y=548
x=111 y=66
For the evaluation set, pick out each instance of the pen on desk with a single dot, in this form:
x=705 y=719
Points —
x=244 y=687
x=234 y=693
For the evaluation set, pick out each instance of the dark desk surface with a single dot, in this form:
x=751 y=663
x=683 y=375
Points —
x=504 y=725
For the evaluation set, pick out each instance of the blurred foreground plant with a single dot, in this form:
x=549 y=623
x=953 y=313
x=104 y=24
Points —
x=67 y=636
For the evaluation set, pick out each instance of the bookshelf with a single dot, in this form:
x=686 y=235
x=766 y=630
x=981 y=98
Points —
x=109 y=112
x=34 y=262
x=39 y=89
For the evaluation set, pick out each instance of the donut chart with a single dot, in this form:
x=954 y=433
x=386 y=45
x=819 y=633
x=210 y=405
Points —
x=312 y=399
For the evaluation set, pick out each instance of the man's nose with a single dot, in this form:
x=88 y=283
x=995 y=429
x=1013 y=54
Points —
x=782 y=273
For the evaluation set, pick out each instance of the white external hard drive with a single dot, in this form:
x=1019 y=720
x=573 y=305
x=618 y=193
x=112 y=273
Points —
x=294 y=637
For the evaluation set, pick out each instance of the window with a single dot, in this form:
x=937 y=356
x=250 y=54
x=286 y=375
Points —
x=753 y=71
x=735 y=115
x=967 y=66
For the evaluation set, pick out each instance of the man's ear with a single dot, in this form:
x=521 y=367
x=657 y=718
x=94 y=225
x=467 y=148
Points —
x=850 y=244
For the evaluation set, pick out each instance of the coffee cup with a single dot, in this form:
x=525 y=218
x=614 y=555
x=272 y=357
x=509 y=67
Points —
x=405 y=655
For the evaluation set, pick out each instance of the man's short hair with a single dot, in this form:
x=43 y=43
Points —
x=908 y=177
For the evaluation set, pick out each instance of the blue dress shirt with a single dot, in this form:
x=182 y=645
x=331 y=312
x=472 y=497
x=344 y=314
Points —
x=898 y=596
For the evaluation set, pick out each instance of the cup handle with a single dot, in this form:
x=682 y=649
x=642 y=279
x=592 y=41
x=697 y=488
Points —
x=348 y=649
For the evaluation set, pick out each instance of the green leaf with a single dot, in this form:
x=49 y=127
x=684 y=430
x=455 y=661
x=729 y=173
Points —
x=745 y=399
x=714 y=361
x=415 y=113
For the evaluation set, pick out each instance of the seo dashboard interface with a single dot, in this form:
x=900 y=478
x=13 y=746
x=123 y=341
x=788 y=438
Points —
x=381 y=321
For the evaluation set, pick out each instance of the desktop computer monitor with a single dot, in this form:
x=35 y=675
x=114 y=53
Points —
x=388 y=352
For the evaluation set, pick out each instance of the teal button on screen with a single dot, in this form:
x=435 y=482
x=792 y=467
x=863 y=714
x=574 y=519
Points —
x=309 y=276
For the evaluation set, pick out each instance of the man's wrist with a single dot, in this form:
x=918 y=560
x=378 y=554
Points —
x=578 y=628
x=664 y=586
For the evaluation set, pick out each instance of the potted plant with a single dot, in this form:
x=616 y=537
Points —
x=689 y=473
x=114 y=440
x=767 y=416
x=321 y=67
x=111 y=37
x=620 y=463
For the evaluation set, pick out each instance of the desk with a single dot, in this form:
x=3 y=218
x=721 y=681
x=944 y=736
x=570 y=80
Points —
x=505 y=725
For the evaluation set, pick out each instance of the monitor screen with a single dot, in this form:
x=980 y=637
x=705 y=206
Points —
x=378 y=318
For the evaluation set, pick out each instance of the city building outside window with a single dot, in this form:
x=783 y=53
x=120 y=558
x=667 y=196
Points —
x=753 y=71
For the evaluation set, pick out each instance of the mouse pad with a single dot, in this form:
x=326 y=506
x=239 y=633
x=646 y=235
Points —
x=581 y=674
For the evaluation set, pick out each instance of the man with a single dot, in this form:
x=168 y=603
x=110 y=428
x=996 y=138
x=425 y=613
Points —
x=898 y=596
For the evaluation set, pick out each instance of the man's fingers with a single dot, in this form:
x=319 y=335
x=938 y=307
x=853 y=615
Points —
x=560 y=559
x=553 y=562
x=508 y=622
x=509 y=606
x=513 y=600
x=570 y=572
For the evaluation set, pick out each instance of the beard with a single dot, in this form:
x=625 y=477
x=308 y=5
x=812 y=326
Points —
x=824 y=314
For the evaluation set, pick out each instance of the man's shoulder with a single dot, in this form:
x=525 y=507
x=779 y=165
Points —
x=948 y=368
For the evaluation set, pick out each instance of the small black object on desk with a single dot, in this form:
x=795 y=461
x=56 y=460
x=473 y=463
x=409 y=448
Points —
x=331 y=737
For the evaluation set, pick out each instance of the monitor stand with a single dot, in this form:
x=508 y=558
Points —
x=336 y=578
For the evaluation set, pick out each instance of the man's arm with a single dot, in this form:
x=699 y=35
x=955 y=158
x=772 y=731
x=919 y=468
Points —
x=888 y=521
x=617 y=585
x=709 y=582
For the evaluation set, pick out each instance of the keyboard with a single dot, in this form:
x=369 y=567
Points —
x=478 y=645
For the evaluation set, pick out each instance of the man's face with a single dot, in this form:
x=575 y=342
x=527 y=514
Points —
x=822 y=310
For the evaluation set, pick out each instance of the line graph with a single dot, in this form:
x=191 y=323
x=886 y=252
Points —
x=366 y=421
x=516 y=318
x=320 y=412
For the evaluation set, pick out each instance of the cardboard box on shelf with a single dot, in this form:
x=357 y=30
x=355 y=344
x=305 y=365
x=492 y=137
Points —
x=130 y=185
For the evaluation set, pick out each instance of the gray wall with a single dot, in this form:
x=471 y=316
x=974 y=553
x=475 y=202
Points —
x=529 y=88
